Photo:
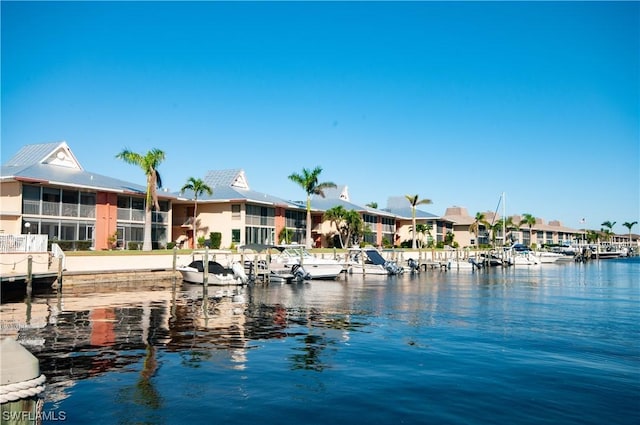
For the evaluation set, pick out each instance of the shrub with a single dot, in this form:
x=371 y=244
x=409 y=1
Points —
x=83 y=245
x=216 y=239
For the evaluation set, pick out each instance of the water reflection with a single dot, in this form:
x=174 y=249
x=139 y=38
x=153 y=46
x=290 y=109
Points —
x=138 y=332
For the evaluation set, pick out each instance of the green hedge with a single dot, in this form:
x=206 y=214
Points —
x=70 y=245
x=216 y=239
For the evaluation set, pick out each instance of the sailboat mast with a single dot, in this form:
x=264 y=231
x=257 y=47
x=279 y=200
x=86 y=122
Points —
x=504 y=219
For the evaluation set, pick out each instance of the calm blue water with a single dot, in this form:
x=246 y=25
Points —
x=559 y=344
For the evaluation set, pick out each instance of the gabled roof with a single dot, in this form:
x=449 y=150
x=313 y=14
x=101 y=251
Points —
x=55 y=164
x=227 y=178
x=229 y=185
x=340 y=192
x=54 y=153
x=400 y=206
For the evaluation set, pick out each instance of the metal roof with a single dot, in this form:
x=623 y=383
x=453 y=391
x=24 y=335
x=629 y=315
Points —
x=226 y=193
x=406 y=213
x=29 y=165
x=32 y=154
x=231 y=177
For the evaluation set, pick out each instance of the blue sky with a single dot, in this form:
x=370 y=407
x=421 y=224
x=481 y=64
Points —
x=454 y=101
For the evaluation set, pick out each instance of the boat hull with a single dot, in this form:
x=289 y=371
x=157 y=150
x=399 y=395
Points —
x=548 y=257
x=461 y=265
x=373 y=270
x=194 y=276
x=216 y=275
x=323 y=271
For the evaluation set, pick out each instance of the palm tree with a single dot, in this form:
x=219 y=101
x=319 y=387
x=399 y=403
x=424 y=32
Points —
x=505 y=224
x=336 y=216
x=609 y=231
x=609 y=225
x=372 y=205
x=422 y=230
x=530 y=221
x=198 y=187
x=354 y=226
x=149 y=164
x=510 y=226
x=285 y=235
x=629 y=226
x=475 y=226
x=592 y=236
x=308 y=180
x=414 y=200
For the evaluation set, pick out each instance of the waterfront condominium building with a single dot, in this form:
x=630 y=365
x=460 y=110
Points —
x=44 y=190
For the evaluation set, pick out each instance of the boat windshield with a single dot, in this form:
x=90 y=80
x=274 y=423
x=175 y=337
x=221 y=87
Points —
x=296 y=252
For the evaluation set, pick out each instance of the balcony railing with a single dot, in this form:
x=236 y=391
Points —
x=127 y=214
x=69 y=210
x=58 y=209
x=50 y=208
x=160 y=217
x=88 y=211
x=130 y=215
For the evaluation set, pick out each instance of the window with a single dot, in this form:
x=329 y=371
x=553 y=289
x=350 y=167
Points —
x=50 y=229
x=68 y=231
x=260 y=216
x=124 y=202
x=50 y=194
x=50 y=201
x=295 y=219
x=235 y=235
x=70 y=203
x=30 y=200
x=235 y=212
x=137 y=203
x=88 y=205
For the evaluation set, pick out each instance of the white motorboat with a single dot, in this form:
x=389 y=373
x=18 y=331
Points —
x=275 y=272
x=370 y=261
x=547 y=257
x=295 y=256
x=521 y=255
x=603 y=252
x=524 y=259
x=272 y=271
x=216 y=274
x=461 y=264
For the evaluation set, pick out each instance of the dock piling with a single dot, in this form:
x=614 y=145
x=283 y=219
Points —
x=29 y=275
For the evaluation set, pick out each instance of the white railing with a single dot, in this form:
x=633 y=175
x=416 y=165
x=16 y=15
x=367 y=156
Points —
x=57 y=252
x=23 y=243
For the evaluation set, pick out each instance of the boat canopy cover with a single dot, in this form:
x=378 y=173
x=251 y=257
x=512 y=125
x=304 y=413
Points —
x=214 y=267
x=258 y=247
x=375 y=257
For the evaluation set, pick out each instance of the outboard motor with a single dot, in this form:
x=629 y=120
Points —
x=414 y=267
x=392 y=268
x=300 y=273
x=238 y=271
